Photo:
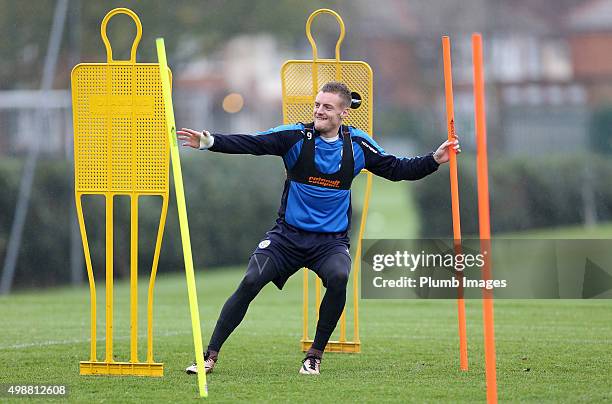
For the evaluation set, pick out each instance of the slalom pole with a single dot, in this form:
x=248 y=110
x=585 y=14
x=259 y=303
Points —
x=182 y=212
x=484 y=215
x=454 y=186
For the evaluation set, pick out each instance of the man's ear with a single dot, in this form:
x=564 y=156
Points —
x=344 y=113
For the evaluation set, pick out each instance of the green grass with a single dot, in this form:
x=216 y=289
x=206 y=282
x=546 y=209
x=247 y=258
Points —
x=409 y=353
x=392 y=212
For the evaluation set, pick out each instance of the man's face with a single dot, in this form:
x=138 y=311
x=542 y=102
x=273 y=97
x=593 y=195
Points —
x=328 y=111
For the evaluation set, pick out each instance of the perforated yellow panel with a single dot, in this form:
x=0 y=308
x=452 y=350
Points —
x=302 y=80
x=120 y=147
x=120 y=139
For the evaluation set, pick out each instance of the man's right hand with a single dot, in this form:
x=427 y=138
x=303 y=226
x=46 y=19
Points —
x=195 y=139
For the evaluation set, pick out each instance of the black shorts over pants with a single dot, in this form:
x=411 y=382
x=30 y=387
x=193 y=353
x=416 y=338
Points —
x=291 y=249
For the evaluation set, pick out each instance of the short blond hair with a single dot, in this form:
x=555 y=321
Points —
x=336 y=87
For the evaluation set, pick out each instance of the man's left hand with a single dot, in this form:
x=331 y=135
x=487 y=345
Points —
x=442 y=155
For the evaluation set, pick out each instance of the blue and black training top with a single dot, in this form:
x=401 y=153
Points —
x=317 y=197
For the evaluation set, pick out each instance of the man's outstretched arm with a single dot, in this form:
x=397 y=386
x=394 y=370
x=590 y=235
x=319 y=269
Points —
x=273 y=142
x=397 y=169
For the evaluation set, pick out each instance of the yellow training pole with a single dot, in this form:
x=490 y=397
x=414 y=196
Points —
x=357 y=264
x=90 y=277
x=182 y=212
x=160 y=234
x=305 y=307
x=134 y=279
x=318 y=295
x=109 y=278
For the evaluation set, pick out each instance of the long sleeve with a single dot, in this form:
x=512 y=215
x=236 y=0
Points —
x=393 y=168
x=276 y=142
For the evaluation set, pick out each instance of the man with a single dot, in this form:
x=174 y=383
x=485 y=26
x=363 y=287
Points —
x=321 y=159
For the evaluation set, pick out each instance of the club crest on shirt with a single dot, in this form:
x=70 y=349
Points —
x=264 y=243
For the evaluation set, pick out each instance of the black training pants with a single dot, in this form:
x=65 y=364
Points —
x=334 y=272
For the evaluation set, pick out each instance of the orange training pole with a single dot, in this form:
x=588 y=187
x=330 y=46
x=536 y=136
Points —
x=454 y=185
x=483 y=215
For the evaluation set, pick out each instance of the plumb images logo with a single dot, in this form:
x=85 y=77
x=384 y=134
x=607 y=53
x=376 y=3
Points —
x=521 y=269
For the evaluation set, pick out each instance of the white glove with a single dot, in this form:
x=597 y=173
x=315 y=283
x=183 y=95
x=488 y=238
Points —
x=206 y=140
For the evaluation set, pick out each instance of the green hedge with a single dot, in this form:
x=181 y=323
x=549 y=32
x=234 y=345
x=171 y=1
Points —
x=231 y=202
x=526 y=193
x=600 y=130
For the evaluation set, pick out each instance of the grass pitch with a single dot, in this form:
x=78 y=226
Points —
x=547 y=351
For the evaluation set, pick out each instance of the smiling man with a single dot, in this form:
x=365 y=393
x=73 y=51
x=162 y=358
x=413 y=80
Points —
x=321 y=159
